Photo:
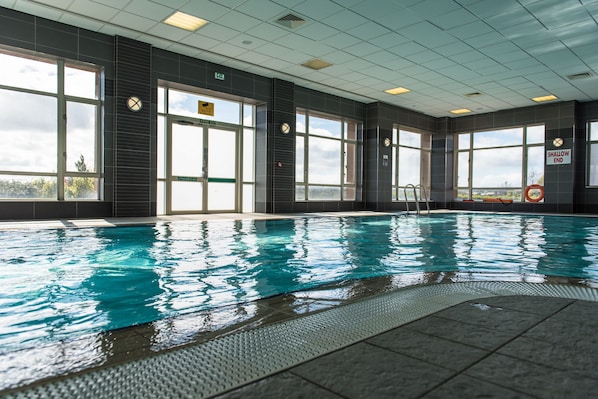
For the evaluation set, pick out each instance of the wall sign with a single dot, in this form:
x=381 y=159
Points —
x=205 y=108
x=219 y=75
x=558 y=157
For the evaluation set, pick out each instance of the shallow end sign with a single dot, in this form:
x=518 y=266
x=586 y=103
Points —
x=558 y=157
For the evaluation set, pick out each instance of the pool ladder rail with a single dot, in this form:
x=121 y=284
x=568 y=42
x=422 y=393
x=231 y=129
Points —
x=425 y=197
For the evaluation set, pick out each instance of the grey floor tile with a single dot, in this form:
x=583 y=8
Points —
x=533 y=379
x=580 y=311
x=449 y=354
x=465 y=387
x=491 y=317
x=529 y=304
x=562 y=331
x=469 y=334
x=576 y=356
x=283 y=385
x=366 y=371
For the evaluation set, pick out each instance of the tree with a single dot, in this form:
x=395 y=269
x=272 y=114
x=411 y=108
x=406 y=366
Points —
x=80 y=187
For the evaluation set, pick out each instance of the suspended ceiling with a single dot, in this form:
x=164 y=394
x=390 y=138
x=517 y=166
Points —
x=483 y=55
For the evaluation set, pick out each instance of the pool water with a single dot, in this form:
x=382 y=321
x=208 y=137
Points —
x=56 y=284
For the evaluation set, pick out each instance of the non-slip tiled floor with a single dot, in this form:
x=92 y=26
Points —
x=499 y=347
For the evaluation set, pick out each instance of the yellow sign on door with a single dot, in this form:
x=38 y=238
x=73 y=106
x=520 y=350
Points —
x=205 y=108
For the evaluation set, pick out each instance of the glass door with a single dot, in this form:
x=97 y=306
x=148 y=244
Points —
x=222 y=192
x=202 y=169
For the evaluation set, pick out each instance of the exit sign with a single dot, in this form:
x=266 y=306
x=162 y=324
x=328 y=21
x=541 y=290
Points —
x=219 y=75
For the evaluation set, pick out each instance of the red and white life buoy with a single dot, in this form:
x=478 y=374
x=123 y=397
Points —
x=534 y=187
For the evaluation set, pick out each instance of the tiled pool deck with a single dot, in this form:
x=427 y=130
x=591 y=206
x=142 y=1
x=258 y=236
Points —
x=500 y=346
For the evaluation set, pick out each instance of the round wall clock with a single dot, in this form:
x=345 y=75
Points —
x=134 y=104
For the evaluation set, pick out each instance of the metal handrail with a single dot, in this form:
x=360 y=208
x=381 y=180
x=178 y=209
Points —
x=425 y=197
x=414 y=195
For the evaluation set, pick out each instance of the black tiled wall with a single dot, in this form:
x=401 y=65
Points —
x=135 y=68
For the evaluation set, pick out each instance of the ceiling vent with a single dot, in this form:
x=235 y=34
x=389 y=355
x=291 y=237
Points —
x=475 y=94
x=291 y=21
x=582 y=75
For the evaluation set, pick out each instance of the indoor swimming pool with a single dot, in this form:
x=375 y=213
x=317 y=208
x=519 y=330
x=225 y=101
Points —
x=57 y=284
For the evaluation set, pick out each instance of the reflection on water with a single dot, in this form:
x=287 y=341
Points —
x=56 y=284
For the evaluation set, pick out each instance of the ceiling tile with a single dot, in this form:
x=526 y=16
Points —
x=489 y=8
x=563 y=13
x=262 y=9
x=317 y=31
x=341 y=40
x=149 y=10
x=268 y=31
x=343 y=19
x=407 y=49
x=198 y=9
x=239 y=21
x=318 y=9
x=374 y=9
x=427 y=34
x=362 y=49
x=473 y=29
x=454 y=19
x=168 y=32
x=396 y=20
x=99 y=11
x=433 y=8
x=133 y=21
x=368 y=31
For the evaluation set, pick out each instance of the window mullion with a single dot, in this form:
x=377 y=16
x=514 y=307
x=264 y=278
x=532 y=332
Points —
x=61 y=141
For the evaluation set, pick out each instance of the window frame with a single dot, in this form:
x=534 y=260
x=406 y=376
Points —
x=471 y=150
x=62 y=172
x=425 y=162
x=589 y=144
x=302 y=180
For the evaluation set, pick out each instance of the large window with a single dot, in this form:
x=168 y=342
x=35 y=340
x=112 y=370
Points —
x=593 y=154
x=499 y=163
x=327 y=158
x=411 y=164
x=49 y=128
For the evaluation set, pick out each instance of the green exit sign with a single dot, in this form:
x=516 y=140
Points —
x=219 y=75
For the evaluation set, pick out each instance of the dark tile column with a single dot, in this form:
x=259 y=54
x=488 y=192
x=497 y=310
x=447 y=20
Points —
x=132 y=130
x=281 y=154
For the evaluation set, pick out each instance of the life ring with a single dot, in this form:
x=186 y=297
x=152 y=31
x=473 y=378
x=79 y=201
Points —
x=534 y=187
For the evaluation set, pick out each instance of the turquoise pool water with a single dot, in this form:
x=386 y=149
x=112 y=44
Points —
x=57 y=284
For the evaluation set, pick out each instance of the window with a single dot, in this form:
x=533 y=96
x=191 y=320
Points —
x=327 y=159
x=49 y=128
x=499 y=163
x=593 y=154
x=411 y=164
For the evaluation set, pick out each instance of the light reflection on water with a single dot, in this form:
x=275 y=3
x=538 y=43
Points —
x=57 y=284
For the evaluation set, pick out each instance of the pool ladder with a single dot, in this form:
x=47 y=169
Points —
x=414 y=188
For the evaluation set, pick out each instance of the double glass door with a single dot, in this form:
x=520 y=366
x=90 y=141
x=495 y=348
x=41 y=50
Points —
x=202 y=168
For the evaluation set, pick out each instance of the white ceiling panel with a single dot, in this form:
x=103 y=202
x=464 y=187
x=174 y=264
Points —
x=133 y=21
x=86 y=8
x=147 y=9
x=261 y=9
x=318 y=9
x=509 y=50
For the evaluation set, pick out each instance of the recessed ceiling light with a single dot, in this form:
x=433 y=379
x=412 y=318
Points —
x=185 y=21
x=317 y=64
x=460 y=111
x=397 y=90
x=544 y=98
